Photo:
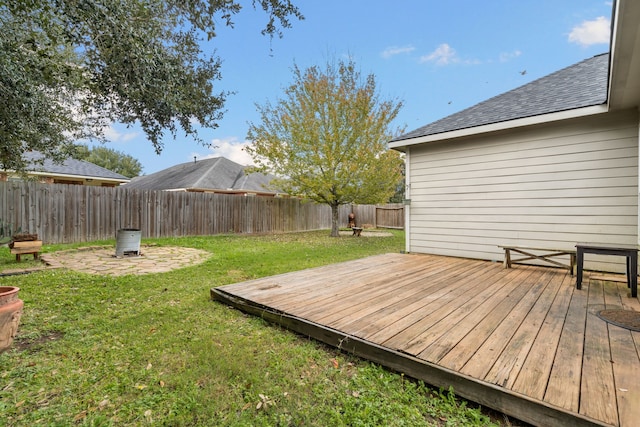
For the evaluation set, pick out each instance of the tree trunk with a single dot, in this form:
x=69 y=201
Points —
x=335 y=230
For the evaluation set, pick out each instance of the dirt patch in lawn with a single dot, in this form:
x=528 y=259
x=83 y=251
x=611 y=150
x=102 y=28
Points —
x=35 y=344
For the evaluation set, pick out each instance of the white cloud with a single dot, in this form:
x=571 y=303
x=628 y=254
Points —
x=446 y=55
x=396 y=50
x=443 y=55
x=591 y=32
x=113 y=135
x=230 y=148
x=508 y=56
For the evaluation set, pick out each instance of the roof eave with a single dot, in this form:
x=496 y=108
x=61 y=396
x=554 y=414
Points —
x=400 y=145
x=234 y=191
x=624 y=84
x=79 y=177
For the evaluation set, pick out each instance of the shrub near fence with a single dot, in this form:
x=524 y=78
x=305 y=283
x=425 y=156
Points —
x=61 y=213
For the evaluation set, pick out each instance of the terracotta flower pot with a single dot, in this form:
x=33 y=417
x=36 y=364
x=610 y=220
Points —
x=10 y=312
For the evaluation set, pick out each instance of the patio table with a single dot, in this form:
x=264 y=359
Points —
x=630 y=252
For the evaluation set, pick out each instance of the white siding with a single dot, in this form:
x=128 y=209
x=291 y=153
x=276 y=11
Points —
x=550 y=186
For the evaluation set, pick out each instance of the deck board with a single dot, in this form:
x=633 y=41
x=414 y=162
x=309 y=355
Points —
x=563 y=387
x=623 y=350
x=490 y=347
x=507 y=368
x=597 y=394
x=537 y=368
x=430 y=324
x=369 y=297
x=399 y=316
x=522 y=340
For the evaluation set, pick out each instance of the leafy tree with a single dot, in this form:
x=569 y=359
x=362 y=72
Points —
x=69 y=68
x=398 y=196
x=111 y=159
x=327 y=138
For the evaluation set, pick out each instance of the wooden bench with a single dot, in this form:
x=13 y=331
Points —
x=540 y=254
x=356 y=231
x=27 y=247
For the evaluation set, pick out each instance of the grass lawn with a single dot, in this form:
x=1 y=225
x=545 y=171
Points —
x=155 y=350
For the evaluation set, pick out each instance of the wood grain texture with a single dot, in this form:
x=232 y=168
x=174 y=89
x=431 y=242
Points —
x=523 y=341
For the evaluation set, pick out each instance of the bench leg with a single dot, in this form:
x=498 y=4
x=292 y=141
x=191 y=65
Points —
x=36 y=255
x=572 y=262
x=507 y=258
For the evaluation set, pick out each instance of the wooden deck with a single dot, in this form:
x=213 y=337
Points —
x=523 y=341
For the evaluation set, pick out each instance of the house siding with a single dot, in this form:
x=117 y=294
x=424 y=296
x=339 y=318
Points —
x=549 y=186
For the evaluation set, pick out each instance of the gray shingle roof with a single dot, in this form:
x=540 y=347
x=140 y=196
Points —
x=70 y=166
x=217 y=173
x=580 y=85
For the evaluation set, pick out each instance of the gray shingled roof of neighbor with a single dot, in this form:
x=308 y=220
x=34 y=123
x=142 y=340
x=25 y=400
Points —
x=70 y=166
x=217 y=173
x=580 y=85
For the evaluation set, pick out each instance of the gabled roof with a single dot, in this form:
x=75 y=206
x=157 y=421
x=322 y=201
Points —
x=581 y=85
x=217 y=173
x=71 y=168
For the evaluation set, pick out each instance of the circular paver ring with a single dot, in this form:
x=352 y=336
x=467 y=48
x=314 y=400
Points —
x=102 y=260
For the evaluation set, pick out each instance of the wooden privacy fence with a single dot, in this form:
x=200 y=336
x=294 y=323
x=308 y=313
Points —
x=72 y=213
x=382 y=216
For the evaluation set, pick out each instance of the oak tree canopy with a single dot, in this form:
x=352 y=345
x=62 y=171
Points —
x=70 y=68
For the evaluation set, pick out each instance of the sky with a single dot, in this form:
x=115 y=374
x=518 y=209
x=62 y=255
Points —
x=437 y=57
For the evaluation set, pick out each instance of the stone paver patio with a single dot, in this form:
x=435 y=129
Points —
x=102 y=260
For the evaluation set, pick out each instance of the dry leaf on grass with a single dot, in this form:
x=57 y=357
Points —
x=265 y=402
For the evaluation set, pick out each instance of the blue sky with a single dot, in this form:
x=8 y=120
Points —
x=438 y=57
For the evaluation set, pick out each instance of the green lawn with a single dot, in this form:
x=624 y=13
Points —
x=155 y=350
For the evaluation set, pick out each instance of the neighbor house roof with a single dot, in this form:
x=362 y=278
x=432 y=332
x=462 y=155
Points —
x=70 y=168
x=581 y=85
x=215 y=174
